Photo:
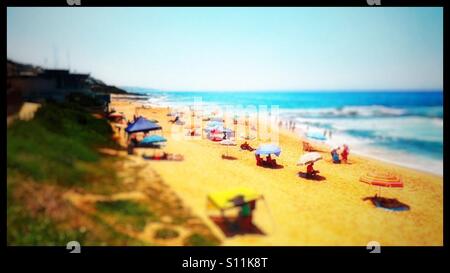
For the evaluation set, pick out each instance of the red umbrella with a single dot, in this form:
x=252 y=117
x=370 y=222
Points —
x=382 y=180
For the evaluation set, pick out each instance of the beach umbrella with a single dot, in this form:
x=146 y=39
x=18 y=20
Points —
x=226 y=199
x=309 y=158
x=227 y=142
x=153 y=139
x=142 y=125
x=266 y=149
x=214 y=135
x=316 y=136
x=214 y=124
x=221 y=129
x=382 y=179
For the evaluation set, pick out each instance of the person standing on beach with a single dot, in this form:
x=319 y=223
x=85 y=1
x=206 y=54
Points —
x=344 y=154
x=245 y=216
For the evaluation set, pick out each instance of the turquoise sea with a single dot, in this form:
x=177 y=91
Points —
x=402 y=127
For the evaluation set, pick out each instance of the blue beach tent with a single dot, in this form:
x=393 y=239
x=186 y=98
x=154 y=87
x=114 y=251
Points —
x=142 y=125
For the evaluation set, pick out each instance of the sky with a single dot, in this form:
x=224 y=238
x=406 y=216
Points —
x=209 y=49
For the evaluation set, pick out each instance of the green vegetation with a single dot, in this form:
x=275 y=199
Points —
x=127 y=212
x=26 y=230
x=197 y=239
x=55 y=144
x=166 y=233
x=124 y=207
x=59 y=147
x=57 y=152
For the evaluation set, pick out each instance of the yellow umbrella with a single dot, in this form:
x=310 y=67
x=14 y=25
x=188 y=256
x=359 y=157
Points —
x=223 y=200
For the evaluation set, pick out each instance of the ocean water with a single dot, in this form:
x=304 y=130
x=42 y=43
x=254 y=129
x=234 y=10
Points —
x=401 y=127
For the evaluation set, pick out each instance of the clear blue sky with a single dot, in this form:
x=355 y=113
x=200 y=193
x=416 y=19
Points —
x=236 y=48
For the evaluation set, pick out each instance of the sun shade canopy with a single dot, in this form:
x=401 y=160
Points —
x=153 y=139
x=142 y=125
x=309 y=158
x=223 y=200
x=267 y=149
x=382 y=180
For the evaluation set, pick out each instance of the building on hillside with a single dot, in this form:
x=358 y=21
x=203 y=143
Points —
x=46 y=84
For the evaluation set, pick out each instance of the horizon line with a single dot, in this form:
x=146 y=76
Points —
x=150 y=89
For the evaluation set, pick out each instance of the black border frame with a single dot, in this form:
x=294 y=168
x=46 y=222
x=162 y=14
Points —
x=170 y=258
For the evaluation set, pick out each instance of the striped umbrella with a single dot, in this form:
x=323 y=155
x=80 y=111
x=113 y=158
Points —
x=382 y=179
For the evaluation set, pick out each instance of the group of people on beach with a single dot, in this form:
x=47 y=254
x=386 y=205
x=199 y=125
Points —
x=290 y=125
x=336 y=158
x=343 y=156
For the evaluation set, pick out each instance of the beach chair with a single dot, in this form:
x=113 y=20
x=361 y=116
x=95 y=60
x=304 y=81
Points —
x=307 y=147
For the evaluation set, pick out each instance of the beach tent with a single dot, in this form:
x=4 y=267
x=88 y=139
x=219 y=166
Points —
x=142 y=125
x=266 y=149
x=309 y=158
x=153 y=139
x=224 y=200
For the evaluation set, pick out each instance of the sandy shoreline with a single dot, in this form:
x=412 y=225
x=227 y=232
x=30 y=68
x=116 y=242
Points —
x=299 y=211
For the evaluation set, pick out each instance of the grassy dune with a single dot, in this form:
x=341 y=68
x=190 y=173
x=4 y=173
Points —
x=62 y=186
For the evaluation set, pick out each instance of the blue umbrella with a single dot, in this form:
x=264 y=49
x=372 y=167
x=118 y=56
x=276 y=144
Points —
x=266 y=149
x=224 y=130
x=141 y=125
x=214 y=124
x=316 y=135
x=153 y=139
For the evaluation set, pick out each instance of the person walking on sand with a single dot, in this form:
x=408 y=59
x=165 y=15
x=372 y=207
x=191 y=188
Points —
x=345 y=153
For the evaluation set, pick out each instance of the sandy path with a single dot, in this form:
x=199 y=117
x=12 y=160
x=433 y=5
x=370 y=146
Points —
x=302 y=212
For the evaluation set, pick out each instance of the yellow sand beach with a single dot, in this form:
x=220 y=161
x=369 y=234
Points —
x=296 y=211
